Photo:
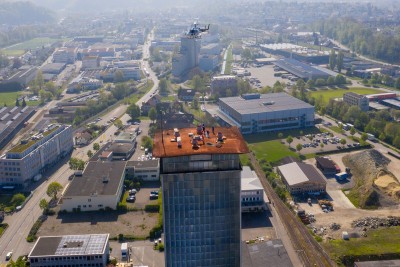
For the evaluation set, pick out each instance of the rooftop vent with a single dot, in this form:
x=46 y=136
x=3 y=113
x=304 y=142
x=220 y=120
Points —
x=251 y=96
x=268 y=103
x=105 y=179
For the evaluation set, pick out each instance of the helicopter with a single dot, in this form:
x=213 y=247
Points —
x=195 y=31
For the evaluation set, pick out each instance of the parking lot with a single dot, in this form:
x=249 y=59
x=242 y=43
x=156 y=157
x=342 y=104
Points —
x=143 y=195
x=313 y=143
x=141 y=253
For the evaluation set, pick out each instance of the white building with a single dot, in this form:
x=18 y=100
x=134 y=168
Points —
x=65 y=55
x=99 y=187
x=35 y=154
x=354 y=99
x=188 y=56
x=70 y=250
x=147 y=170
x=252 y=192
x=208 y=62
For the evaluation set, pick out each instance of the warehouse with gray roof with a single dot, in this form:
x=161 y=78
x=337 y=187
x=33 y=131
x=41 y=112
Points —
x=302 y=70
x=257 y=113
x=99 y=187
x=302 y=178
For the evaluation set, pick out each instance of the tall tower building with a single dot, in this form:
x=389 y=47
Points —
x=188 y=56
x=200 y=173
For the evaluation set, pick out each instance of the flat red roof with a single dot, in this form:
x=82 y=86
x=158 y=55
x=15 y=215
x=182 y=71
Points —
x=166 y=145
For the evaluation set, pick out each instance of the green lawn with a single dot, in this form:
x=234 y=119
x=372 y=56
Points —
x=337 y=93
x=19 y=49
x=272 y=151
x=8 y=98
x=378 y=242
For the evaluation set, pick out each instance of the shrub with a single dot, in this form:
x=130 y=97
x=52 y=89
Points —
x=152 y=208
x=160 y=247
x=122 y=207
x=120 y=237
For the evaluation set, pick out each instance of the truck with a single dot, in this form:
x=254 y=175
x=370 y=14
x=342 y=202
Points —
x=341 y=176
x=124 y=250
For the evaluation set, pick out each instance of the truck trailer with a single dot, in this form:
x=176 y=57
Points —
x=124 y=251
x=341 y=176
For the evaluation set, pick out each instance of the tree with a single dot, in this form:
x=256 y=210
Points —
x=17 y=102
x=96 y=146
x=120 y=91
x=320 y=82
x=118 y=123
x=53 y=189
x=332 y=59
x=397 y=83
x=89 y=153
x=39 y=80
x=195 y=103
x=133 y=111
x=289 y=139
x=352 y=131
x=119 y=76
x=153 y=114
x=17 y=199
x=310 y=83
x=343 y=141
x=340 y=79
x=163 y=86
x=364 y=137
x=76 y=164
x=339 y=62
x=44 y=205
x=280 y=135
x=299 y=147
x=198 y=83
x=147 y=142
x=23 y=102
x=330 y=80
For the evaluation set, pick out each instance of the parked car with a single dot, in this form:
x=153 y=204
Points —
x=131 y=199
x=153 y=196
x=154 y=192
x=132 y=191
x=9 y=255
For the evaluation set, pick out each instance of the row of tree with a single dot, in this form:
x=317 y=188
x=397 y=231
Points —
x=362 y=38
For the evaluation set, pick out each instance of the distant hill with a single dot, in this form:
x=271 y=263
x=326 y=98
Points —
x=18 y=12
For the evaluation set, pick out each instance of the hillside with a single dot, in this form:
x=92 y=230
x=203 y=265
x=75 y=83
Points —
x=18 y=13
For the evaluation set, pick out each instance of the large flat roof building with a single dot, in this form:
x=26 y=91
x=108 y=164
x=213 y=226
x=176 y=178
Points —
x=34 y=154
x=99 y=187
x=200 y=175
x=301 y=178
x=70 y=250
x=301 y=70
x=257 y=113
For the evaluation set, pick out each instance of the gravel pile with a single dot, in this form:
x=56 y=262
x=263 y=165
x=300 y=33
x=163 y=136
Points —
x=335 y=226
x=375 y=222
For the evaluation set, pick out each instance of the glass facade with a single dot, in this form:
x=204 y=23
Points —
x=202 y=211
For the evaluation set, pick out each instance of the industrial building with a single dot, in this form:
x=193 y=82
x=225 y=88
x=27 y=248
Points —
x=256 y=113
x=354 y=99
x=391 y=103
x=252 y=192
x=12 y=119
x=65 y=55
x=302 y=70
x=145 y=170
x=90 y=62
x=70 y=250
x=301 y=178
x=53 y=68
x=99 y=187
x=208 y=62
x=297 y=52
x=35 y=154
x=201 y=179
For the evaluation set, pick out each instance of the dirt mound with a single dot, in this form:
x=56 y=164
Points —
x=388 y=185
x=366 y=166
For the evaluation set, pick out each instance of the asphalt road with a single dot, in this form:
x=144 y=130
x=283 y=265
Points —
x=21 y=222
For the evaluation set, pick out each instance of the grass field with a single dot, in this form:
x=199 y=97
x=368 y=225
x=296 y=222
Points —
x=337 y=93
x=272 y=151
x=378 y=242
x=229 y=60
x=19 y=49
x=9 y=98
